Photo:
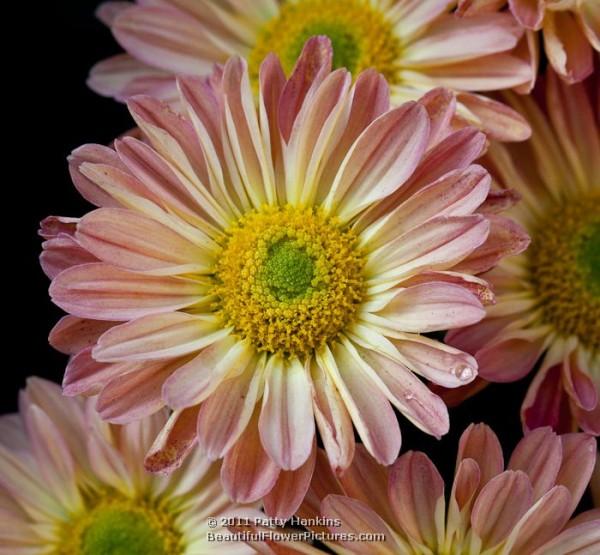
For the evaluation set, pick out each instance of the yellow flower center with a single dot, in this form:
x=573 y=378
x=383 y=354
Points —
x=288 y=279
x=115 y=525
x=361 y=35
x=564 y=263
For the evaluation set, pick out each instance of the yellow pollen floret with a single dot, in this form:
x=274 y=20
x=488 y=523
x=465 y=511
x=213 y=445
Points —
x=288 y=279
x=564 y=266
x=113 y=524
x=360 y=34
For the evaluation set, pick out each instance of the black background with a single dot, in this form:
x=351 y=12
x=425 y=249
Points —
x=55 y=112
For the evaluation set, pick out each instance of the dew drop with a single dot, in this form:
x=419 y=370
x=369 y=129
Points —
x=464 y=374
x=409 y=396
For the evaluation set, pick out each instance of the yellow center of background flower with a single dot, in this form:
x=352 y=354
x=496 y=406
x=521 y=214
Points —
x=288 y=279
x=115 y=525
x=564 y=263
x=360 y=34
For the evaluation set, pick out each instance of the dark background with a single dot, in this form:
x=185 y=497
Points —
x=54 y=112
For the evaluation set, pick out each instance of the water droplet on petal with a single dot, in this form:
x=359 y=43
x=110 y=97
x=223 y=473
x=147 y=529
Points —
x=465 y=373
x=409 y=396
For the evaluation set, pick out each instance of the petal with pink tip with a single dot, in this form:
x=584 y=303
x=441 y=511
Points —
x=248 y=473
x=173 y=443
x=104 y=292
x=136 y=394
x=194 y=381
x=410 y=395
x=500 y=505
x=541 y=523
x=437 y=244
x=583 y=539
x=430 y=307
x=480 y=443
x=313 y=64
x=224 y=415
x=416 y=492
x=290 y=489
x=165 y=38
x=158 y=336
x=566 y=46
x=539 y=455
x=506 y=238
x=333 y=420
x=286 y=424
x=442 y=364
x=357 y=518
x=578 y=383
x=132 y=241
x=451 y=39
x=62 y=252
x=85 y=375
x=579 y=457
x=501 y=122
x=72 y=334
x=529 y=13
x=367 y=481
x=367 y=404
x=383 y=157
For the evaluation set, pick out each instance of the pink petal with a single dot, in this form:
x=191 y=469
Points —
x=430 y=307
x=225 y=414
x=416 y=491
x=479 y=442
x=383 y=157
x=194 y=381
x=583 y=539
x=174 y=442
x=158 y=336
x=539 y=455
x=566 y=46
x=590 y=21
x=468 y=8
x=440 y=104
x=313 y=65
x=437 y=362
x=452 y=39
x=466 y=483
x=72 y=334
x=367 y=481
x=578 y=383
x=500 y=505
x=107 y=11
x=286 y=424
x=104 y=292
x=369 y=408
x=410 y=395
x=248 y=473
x=63 y=252
x=55 y=226
x=290 y=489
x=136 y=242
x=84 y=375
x=333 y=420
x=134 y=395
x=357 y=518
x=529 y=13
x=579 y=457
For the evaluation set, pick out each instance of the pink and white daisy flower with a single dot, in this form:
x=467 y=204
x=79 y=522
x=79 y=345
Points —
x=416 y=45
x=73 y=484
x=260 y=268
x=570 y=29
x=548 y=298
x=521 y=510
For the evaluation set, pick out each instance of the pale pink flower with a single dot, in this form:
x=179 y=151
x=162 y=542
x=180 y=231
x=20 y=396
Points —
x=416 y=45
x=71 y=483
x=548 y=298
x=521 y=510
x=570 y=29
x=257 y=268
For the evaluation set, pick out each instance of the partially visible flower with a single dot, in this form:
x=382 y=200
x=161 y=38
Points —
x=262 y=267
x=521 y=510
x=71 y=484
x=570 y=28
x=416 y=45
x=548 y=298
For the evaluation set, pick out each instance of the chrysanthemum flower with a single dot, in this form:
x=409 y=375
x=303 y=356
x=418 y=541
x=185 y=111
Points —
x=570 y=29
x=292 y=253
x=415 y=45
x=548 y=299
x=71 y=484
x=523 y=510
